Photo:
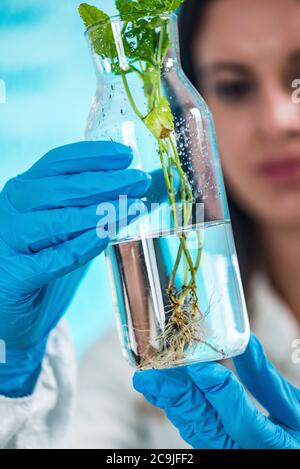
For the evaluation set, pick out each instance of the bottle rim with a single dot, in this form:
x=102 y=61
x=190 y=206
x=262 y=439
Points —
x=121 y=19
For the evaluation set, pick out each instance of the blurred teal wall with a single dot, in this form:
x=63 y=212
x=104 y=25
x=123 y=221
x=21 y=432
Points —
x=49 y=77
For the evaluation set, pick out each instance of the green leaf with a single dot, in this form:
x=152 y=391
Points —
x=102 y=37
x=104 y=43
x=91 y=15
x=149 y=77
x=140 y=41
x=128 y=7
x=160 y=120
x=160 y=6
x=141 y=38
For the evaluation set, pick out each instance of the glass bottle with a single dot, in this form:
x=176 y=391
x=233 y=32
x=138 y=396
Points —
x=174 y=271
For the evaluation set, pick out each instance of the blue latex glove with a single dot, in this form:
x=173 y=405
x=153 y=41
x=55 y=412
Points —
x=211 y=408
x=47 y=234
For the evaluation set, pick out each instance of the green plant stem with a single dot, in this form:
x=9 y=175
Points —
x=184 y=178
x=136 y=70
x=169 y=184
x=181 y=250
x=199 y=252
x=130 y=97
x=176 y=265
x=159 y=56
x=176 y=161
x=188 y=211
x=160 y=43
x=169 y=150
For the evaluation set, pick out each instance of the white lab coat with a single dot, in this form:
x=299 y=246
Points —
x=110 y=414
x=42 y=420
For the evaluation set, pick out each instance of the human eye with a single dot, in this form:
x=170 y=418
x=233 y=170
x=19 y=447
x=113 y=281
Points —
x=233 y=90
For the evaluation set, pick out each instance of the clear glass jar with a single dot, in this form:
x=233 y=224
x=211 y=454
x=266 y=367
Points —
x=174 y=273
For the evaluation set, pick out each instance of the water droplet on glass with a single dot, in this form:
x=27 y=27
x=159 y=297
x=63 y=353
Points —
x=123 y=112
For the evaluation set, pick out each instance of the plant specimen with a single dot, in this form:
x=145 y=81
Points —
x=144 y=42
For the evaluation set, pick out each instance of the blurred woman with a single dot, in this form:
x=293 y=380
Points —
x=243 y=58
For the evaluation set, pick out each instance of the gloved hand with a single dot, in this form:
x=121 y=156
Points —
x=47 y=233
x=211 y=408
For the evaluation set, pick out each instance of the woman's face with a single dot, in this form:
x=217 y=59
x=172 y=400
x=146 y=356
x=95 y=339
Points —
x=247 y=54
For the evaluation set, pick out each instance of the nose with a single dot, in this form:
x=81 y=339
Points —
x=277 y=115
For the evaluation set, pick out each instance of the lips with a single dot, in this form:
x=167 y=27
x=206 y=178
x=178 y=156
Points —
x=283 y=170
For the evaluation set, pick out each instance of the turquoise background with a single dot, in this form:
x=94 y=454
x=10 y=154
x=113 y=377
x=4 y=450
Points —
x=50 y=81
x=49 y=77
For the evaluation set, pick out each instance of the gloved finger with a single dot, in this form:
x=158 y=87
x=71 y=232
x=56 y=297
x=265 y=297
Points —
x=248 y=427
x=185 y=406
x=77 y=190
x=31 y=271
x=80 y=157
x=31 y=232
x=280 y=398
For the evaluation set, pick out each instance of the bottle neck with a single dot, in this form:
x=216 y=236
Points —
x=105 y=71
x=144 y=44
